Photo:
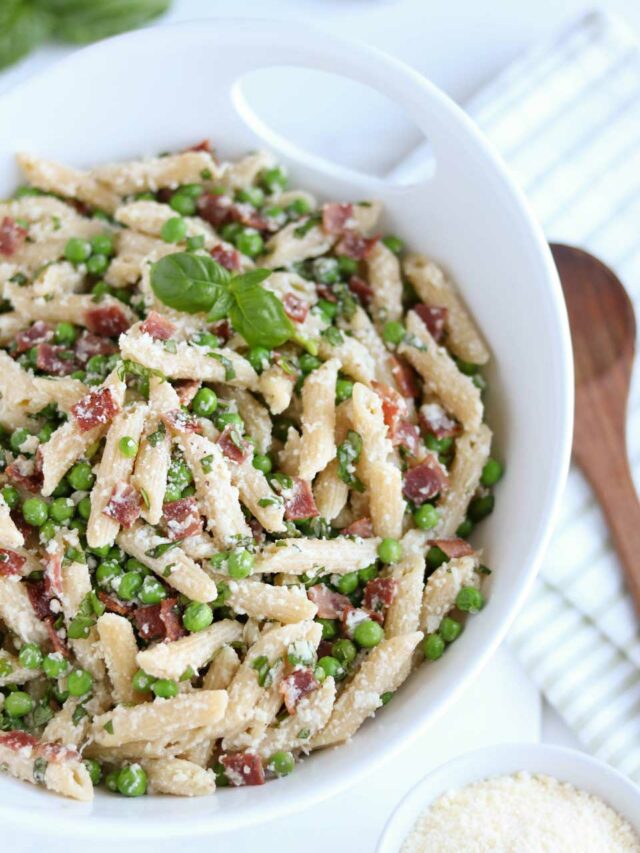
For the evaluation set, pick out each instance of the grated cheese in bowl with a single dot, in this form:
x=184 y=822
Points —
x=521 y=813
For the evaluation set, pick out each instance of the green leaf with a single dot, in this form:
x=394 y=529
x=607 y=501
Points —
x=222 y=304
x=82 y=21
x=187 y=282
x=257 y=314
x=22 y=27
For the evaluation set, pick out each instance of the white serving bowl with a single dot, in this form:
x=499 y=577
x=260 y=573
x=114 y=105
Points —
x=167 y=88
x=568 y=765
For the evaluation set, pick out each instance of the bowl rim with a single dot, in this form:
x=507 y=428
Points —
x=518 y=756
x=559 y=454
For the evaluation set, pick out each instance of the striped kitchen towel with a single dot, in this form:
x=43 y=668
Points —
x=566 y=118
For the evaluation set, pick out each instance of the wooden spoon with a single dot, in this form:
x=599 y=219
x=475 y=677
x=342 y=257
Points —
x=603 y=332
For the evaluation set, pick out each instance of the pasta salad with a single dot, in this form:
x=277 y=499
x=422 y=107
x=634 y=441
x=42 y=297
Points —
x=242 y=451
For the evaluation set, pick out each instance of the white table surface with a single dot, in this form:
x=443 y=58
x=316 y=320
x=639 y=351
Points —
x=459 y=46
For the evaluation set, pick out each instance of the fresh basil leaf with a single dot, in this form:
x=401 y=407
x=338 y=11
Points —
x=257 y=314
x=223 y=302
x=80 y=21
x=187 y=282
x=22 y=27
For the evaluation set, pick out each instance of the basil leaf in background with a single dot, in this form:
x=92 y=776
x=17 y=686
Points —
x=187 y=282
x=83 y=21
x=22 y=27
x=257 y=314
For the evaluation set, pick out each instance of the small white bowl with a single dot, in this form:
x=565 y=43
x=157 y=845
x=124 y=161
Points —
x=568 y=765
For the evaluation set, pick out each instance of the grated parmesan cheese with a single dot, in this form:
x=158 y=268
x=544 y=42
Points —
x=522 y=813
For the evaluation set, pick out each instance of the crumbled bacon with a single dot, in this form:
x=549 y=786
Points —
x=434 y=317
x=171 y=620
x=243 y=768
x=107 y=320
x=186 y=389
x=160 y=328
x=362 y=528
x=53 y=574
x=233 y=445
x=54 y=359
x=20 y=741
x=124 y=505
x=246 y=214
x=178 y=421
x=325 y=292
x=24 y=528
x=37 y=333
x=355 y=246
x=182 y=518
x=88 y=345
x=214 y=209
x=97 y=408
x=404 y=377
x=330 y=604
x=203 y=145
x=159 y=621
x=424 y=481
x=353 y=616
x=393 y=404
x=455 y=547
x=56 y=640
x=222 y=329
x=56 y=753
x=295 y=686
x=11 y=562
x=228 y=258
x=26 y=473
x=299 y=502
x=337 y=218
x=257 y=531
x=295 y=308
x=115 y=605
x=361 y=289
x=436 y=421
x=379 y=594
x=12 y=236
x=38 y=599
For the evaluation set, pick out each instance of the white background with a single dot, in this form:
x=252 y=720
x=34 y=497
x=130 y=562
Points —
x=459 y=44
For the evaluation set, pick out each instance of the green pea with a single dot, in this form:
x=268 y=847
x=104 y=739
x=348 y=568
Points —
x=62 y=509
x=259 y=358
x=65 y=334
x=439 y=445
x=390 y=550
x=344 y=390
x=249 y=242
x=164 y=688
x=348 y=266
x=93 y=769
x=205 y=402
x=281 y=763
x=465 y=529
x=469 y=600
x=173 y=492
x=481 y=507
x=240 y=563
x=84 y=508
x=329 y=310
x=128 y=446
x=77 y=250
x=426 y=517
x=330 y=666
x=62 y=490
x=309 y=363
x=329 y=628
x=348 y=583
x=54 y=665
x=102 y=551
x=46 y=432
x=273 y=179
x=111 y=780
x=393 y=332
x=433 y=646
x=129 y=585
x=275 y=212
x=11 y=496
x=18 y=438
x=30 y=656
x=207 y=339
x=142 y=681
x=368 y=573
x=97 y=364
x=344 y=651
x=491 y=472
x=435 y=557
x=106 y=572
x=174 y=230
x=394 y=243
x=281 y=427
x=230 y=231
x=450 y=629
x=298 y=207
x=18 y=704
x=81 y=477
x=251 y=195
x=101 y=288
x=262 y=462
x=151 y=591
x=467 y=367
x=132 y=781
x=183 y=204
x=102 y=244
x=6 y=667
x=35 y=511
x=47 y=531
x=326 y=270
x=368 y=634
x=79 y=682
x=97 y=264
x=195 y=242
x=197 y=616
x=225 y=418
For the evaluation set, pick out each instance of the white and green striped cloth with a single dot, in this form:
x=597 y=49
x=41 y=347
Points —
x=566 y=118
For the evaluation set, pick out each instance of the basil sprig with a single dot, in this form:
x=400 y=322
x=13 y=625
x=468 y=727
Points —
x=196 y=283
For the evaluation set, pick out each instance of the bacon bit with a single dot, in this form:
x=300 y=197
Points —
x=434 y=317
x=330 y=604
x=436 y=421
x=178 y=421
x=160 y=328
x=257 y=530
x=336 y=217
x=38 y=599
x=170 y=619
x=361 y=289
x=115 y=605
x=355 y=246
x=38 y=333
x=246 y=214
x=49 y=359
x=353 y=616
x=393 y=405
x=24 y=528
x=243 y=768
x=186 y=390
x=233 y=445
x=88 y=345
x=124 y=505
x=295 y=686
x=18 y=740
x=295 y=308
x=55 y=753
x=228 y=258
x=26 y=473
x=222 y=330
x=53 y=574
x=110 y=321
x=379 y=594
x=325 y=649
x=148 y=622
x=325 y=292
x=204 y=145
x=404 y=376
x=362 y=528
x=56 y=640
x=12 y=236
x=407 y=435
x=453 y=547
x=214 y=209
x=425 y=481
x=182 y=518
x=96 y=408
x=11 y=562
x=299 y=503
